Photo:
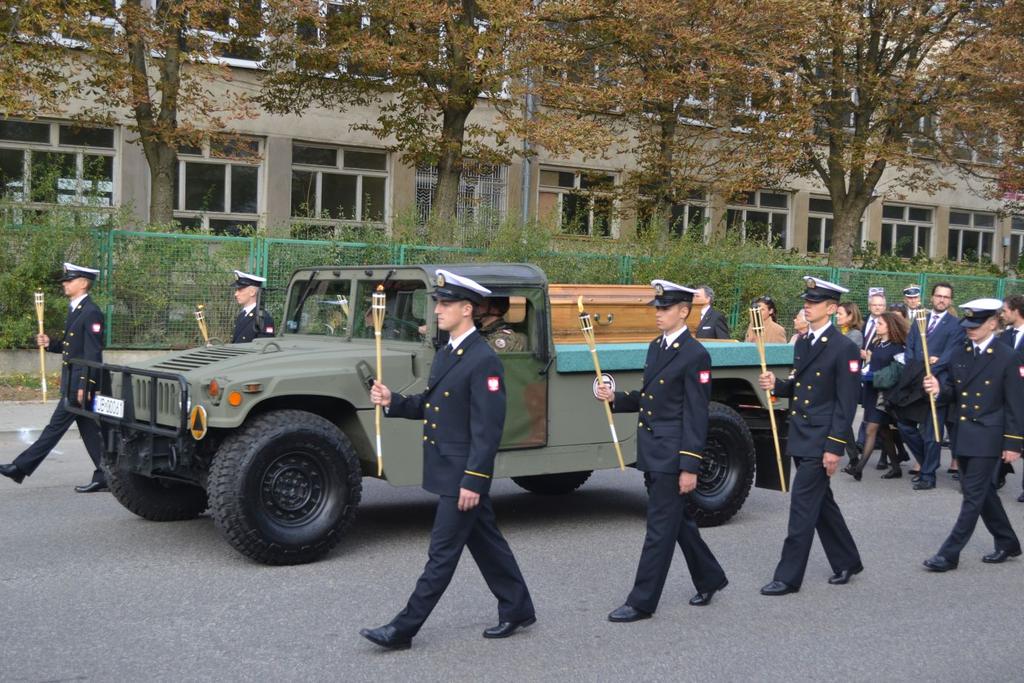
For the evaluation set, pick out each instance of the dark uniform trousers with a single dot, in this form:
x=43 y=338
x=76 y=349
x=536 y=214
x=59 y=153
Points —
x=672 y=406
x=985 y=395
x=83 y=334
x=463 y=413
x=823 y=391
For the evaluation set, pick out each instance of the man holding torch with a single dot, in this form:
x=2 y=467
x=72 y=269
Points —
x=671 y=434
x=82 y=340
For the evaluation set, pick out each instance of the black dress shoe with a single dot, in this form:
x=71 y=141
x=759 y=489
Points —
x=999 y=556
x=843 y=576
x=778 y=588
x=12 y=472
x=701 y=599
x=92 y=487
x=895 y=473
x=506 y=628
x=915 y=473
x=938 y=563
x=923 y=485
x=628 y=613
x=1020 y=498
x=882 y=466
x=386 y=636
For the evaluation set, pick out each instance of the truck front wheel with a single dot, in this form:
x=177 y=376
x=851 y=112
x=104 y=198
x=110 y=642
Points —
x=284 y=488
x=727 y=471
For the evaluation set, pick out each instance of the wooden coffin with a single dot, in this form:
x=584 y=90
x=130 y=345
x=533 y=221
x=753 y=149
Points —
x=620 y=313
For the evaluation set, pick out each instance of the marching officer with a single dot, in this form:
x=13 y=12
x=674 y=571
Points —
x=490 y=317
x=671 y=434
x=82 y=340
x=823 y=389
x=253 y=320
x=984 y=387
x=463 y=413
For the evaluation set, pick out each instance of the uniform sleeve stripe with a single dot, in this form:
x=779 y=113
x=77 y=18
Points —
x=695 y=455
x=478 y=474
x=1011 y=436
x=837 y=440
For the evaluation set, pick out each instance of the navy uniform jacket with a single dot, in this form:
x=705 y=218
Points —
x=673 y=406
x=713 y=326
x=82 y=339
x=986 y=399
x=943 y=341
x=463 y=413
x=823 y=390
x=246 y=328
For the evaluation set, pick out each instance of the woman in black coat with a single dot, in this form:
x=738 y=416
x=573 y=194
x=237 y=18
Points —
x=890 y=338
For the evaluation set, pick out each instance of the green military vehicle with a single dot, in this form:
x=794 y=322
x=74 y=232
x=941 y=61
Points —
x=275 y=436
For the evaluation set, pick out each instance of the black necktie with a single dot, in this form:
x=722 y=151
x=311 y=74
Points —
x=977 y=351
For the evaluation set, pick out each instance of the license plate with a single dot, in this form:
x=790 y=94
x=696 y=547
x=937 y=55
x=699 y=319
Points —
x=111 y=407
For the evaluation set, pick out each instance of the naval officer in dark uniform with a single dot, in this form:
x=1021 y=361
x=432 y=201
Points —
x=671 y=434
x=823 y=389
x=253 y=321
x=984 y=388
x=82 y=339
x=463 y=413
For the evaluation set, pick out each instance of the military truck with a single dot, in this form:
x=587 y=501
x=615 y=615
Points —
x=275 y=436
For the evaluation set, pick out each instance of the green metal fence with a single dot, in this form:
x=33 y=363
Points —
x=155 y=280
x=152 y=282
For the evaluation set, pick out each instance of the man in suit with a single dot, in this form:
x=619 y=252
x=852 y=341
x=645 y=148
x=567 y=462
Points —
x=1013 y=336
x=670 y=439
x=463 y=413
x=713 y=324
x=82 y=340
x=876 y=307
x=822 y=389
x=984 y=388
x=253 y=321
x=944 y=335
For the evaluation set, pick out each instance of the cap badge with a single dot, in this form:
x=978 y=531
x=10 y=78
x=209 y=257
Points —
x=440 y=280
x=659 y=290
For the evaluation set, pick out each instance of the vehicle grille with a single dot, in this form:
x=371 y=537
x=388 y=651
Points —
x=168 y=398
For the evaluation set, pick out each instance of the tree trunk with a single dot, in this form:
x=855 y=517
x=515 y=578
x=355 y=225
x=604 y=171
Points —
x=666 y=161
x=449 y=166
x=162 y=169
x=846 y=232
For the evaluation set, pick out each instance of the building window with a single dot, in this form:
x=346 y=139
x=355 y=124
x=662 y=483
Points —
x=971 y=236
x=1016 y=240
x=57 y=164
x=217 y=187
x=819 y=226
x=760 y=216
x=483 y=195
x=334 y=185
x=690 y=216
x=579 y=202
x=906 y=230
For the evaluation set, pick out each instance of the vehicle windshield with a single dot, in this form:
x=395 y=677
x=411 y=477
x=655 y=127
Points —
x=320 y=307
x=405 y=310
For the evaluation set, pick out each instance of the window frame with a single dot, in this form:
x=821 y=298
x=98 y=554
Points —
x=732 y=207
x=317 y=217
x=972 y=227
x=206 y=156
x=578 y=173
x=917 y=224
x=54 y=146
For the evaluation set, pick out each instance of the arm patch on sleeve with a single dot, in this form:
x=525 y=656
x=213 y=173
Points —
x=493 y=383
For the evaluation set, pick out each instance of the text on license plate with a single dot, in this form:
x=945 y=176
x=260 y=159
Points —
x=111 y=407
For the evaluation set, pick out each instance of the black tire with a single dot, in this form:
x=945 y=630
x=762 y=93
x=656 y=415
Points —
x=727 y=471
x=285 y=487
x=158 y=500
x=553 y=484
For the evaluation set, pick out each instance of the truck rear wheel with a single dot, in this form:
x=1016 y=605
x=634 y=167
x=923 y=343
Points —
x=285 y=487
x=727 y=471
x=553 y=484
x=158 y=500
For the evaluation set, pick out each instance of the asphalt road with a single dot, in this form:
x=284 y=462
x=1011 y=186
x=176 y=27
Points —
x=90 y=592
